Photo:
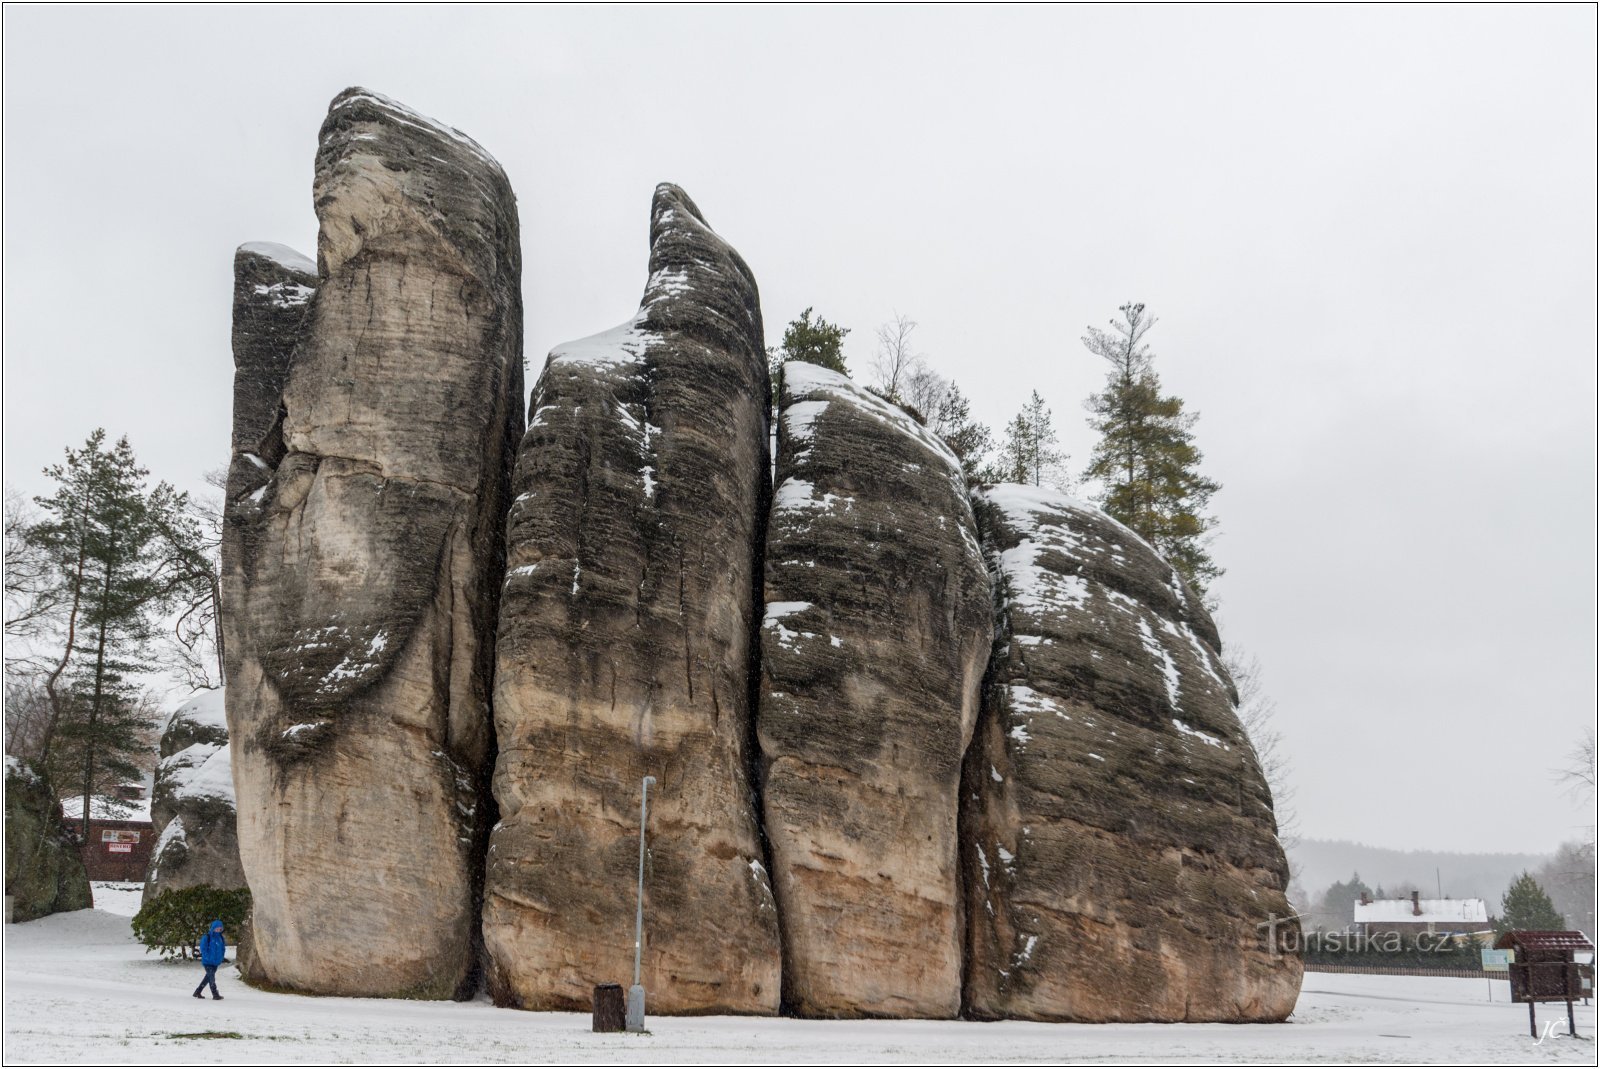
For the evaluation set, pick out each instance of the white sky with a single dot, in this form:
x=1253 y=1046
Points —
x=1369 y=235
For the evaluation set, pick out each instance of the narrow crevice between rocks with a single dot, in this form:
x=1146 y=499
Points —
x=476 y=979
x=754 y=766
x=971 y=774
x=499 y=519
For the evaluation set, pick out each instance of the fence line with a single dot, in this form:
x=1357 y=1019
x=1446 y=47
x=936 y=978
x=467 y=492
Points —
x=1404 y=970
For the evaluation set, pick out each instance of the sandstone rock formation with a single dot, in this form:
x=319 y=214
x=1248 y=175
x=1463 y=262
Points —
x=876 y=637
x=628 y=614
x=192 y=806
x=1121 y=848
x=377 y=406
x=44 y=871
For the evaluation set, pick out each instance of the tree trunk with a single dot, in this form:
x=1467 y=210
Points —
x=66 y=655
x=216 y=627
x=94 y=703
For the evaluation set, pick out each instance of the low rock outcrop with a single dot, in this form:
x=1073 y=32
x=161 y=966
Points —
x=192 y=807
x=377 y=406
x=628 y=614
x=876 y=636
x=1121 y=852
x=44 y=871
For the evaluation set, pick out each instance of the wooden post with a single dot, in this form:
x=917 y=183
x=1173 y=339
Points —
x=1533 y=1025
x=608 y=1008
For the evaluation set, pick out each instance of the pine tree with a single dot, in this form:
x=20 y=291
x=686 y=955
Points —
x=812 y=341
x=1338 y=901
x=1012 y=464
x=968 y=439
x=1146 y=460
x=1044 y=459
x=1525 y=907
x=1028 y=452
x=109 y=540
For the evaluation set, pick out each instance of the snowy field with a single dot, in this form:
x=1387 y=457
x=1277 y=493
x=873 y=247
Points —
x=78 y=989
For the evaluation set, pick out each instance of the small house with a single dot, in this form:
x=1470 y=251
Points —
x=1417 y=915
x=120 y=833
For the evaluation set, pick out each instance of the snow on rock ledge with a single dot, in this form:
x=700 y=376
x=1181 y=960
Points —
x=1121 y=850
x=876 y=636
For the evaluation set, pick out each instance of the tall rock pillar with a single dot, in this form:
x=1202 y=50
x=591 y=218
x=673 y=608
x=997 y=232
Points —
x=377 y=403
x=624 y=650
x=875 y=640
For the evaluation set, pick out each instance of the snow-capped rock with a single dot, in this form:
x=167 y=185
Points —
x=1111 y=779
x=192 y=807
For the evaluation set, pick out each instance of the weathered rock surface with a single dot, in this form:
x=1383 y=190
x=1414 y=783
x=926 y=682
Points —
x=628 y=614
x=192 y=807
x=377 y=407
x=44 y=871
x=877 y=633
x=1120 y=845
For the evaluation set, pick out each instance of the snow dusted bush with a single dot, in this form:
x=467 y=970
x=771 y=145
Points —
x=175 y=921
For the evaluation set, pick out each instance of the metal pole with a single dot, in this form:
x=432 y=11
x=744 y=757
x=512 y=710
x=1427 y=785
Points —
x=636 y=992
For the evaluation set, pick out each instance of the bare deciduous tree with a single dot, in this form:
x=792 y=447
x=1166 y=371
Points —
x=27 y=714
x=1257 y=715
x=1569 y=879
x=1579 y=772
x=32 y=599
x=193 y=569
x=926 y=391
x=896 y=362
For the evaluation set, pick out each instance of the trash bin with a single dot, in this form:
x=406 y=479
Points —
x=610 y=1013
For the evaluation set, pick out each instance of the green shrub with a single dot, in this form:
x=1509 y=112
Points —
x=175 y=921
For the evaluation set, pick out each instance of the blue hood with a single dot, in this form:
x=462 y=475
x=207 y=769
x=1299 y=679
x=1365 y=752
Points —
x=216 y=926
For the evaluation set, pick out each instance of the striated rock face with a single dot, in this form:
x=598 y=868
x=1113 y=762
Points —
x=877 y=633
x=1120 y=844
x=192 y=807
x=627 y=620
x=44 y=870
x=377 y=406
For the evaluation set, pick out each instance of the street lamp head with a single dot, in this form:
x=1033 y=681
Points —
x=649 y=781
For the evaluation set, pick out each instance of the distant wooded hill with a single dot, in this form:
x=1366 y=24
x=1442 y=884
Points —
x=1318 y=863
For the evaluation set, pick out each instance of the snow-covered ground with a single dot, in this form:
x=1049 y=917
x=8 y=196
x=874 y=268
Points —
x=116 y=897
x=79 y=990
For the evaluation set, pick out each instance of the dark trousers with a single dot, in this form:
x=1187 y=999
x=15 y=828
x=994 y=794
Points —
x=211 y=978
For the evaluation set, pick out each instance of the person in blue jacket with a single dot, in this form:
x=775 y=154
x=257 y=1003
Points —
x=212 y=951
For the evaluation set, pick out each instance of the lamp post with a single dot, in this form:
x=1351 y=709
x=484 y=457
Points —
x=636 y=992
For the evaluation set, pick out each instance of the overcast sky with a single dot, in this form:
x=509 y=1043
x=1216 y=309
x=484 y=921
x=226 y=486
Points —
x=1369 y=236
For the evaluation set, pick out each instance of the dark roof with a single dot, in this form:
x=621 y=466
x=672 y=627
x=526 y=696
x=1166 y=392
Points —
x=1544 y=941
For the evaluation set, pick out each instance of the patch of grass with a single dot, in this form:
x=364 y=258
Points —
x=205 y=1035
